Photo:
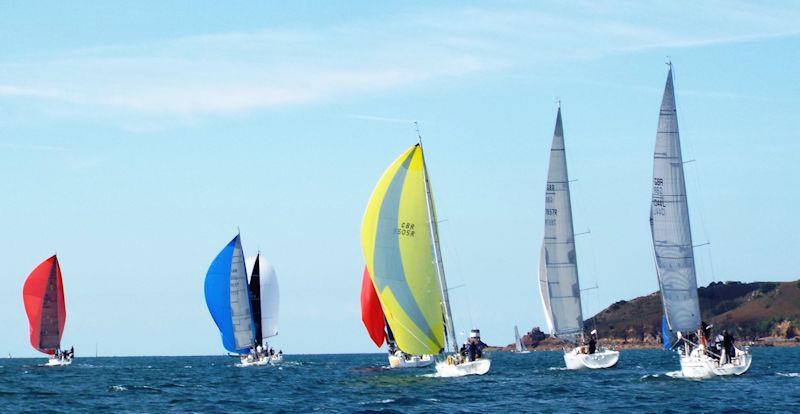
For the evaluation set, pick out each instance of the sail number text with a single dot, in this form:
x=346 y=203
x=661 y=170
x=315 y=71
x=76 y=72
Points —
x=405 y=229
x=550 y=216
x=659 y=207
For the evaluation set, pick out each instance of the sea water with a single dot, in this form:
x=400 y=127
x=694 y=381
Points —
x=535 y=382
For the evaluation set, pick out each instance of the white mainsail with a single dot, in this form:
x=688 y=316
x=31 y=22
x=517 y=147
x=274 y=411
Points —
x=558 y=271
x=669 y=222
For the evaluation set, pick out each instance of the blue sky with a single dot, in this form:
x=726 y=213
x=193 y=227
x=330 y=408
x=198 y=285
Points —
x=134 y=139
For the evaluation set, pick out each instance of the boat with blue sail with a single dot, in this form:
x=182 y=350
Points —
x=245 y=309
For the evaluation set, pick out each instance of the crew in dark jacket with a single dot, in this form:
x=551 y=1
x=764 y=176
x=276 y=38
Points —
x=727 y=343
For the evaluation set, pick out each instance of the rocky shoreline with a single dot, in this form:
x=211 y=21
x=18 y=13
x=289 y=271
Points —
x=757 y=313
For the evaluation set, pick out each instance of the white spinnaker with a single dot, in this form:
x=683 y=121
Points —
x=669 y=222
x=561 y=273
x=241 y=316
x=270 y=298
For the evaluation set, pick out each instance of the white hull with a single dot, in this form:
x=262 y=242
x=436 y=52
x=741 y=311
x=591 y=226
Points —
x=249 y=361
x=603 y=358
x=477 y=367
x=522 y=352
x=414 y=361
x=699 y=365
x=57 y=362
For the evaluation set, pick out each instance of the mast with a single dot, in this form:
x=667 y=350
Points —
x=450 y=330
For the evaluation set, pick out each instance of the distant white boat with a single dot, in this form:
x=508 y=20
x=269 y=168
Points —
x=674 y=253
x=558 y=267
x=518 y=346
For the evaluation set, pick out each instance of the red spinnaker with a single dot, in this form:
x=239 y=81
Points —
x=43 y=295
x=371 y=312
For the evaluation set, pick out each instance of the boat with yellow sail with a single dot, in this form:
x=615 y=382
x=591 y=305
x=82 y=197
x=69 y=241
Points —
x=400 y=243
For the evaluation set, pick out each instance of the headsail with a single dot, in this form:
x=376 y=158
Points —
x=558 y=274
x=43 y=296
x=270 y=298
x=669 y=222
x=228 y=298
x=397 y=246
x=371 y=312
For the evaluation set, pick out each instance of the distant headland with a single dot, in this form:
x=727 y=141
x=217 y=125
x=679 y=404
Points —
x=761 y=313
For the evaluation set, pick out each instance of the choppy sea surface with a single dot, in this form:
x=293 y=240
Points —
x=534 y=382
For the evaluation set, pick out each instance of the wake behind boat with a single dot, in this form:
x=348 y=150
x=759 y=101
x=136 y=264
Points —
x=379 y=330
x=400 y=242
x=43 y=296
x=245 y=313
x=674 y=254
x=558 y=267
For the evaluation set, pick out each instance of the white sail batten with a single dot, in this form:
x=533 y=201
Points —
x=558 y=273
x=241 y=315
x=669 y=222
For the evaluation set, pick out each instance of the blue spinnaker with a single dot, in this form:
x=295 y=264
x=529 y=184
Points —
x=227 y=307
x=665 y=332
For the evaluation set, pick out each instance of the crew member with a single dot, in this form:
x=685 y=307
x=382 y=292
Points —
x=593 y=342
x=727 y=343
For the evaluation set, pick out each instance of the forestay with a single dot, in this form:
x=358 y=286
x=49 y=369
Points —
x=397 y=247
x=669 y=222
x=558 y=270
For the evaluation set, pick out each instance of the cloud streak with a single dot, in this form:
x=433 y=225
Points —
x=242 y=71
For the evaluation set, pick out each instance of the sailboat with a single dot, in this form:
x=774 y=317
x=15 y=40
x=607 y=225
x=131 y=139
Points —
x=558 y=267
x=379 y=331
x=230 y=302
x=674 y=254
x=519 y=348
x=43 y=296
x=400 y=243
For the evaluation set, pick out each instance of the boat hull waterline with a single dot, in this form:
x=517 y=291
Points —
x=414 y=361
x=477 y=367
x=698 y=365
x=604 y=358
x=250 y=362
x=57 y=362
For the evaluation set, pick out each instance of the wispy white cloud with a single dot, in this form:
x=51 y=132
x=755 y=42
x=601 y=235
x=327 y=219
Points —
x=240 y=71
x=32 y=147
x=383 y=119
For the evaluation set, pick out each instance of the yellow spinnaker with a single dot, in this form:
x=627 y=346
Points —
x=396 y=241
